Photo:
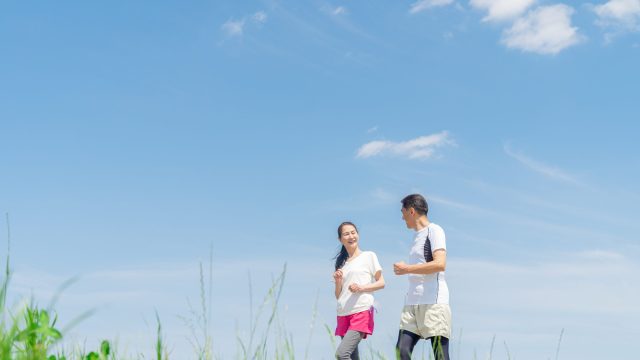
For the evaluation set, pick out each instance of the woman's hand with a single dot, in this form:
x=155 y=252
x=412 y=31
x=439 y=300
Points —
x=355 y=288
x=337 y=276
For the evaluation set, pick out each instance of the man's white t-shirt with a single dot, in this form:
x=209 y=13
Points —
x=431 y=288
x=361 y=270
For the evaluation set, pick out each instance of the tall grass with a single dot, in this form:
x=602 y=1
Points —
x=33 y=333
x=559 y=341
x=311 y=327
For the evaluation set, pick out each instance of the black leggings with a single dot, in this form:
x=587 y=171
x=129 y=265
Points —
x=408 y=340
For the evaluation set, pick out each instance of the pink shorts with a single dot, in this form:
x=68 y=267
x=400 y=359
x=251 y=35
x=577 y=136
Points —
x=360 y=321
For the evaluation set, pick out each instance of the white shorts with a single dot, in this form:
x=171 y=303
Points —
x=427 y=320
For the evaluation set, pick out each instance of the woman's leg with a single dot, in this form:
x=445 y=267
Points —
x=440 y=346
x=355 y=355
x=348 y=348
x=406 y=342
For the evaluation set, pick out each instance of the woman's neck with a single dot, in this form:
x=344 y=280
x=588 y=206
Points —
x=354 y=253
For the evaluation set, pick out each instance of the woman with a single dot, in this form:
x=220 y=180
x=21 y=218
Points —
x=357 y=274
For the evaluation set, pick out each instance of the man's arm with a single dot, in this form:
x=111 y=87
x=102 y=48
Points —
x=438 y=264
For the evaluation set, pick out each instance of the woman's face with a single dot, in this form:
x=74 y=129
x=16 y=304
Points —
x=349 y=237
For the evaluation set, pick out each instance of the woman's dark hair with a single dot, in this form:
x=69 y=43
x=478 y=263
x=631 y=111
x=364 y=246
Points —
x=342 y=255
x=417 y=202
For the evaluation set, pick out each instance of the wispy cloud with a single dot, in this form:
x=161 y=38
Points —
x=561 y=208
x=340 y=16
x=339 y=10
x=545 y=30
x=562 y=230
x=601 y=254
x=419 y=148
x=233 y=27
x=260 y=17
x=423 y=5
x=373 y=129
x=541 y=168
x=619 y=16
x=384 y=196
x=236 y=28
x=527 y=287
x=499 y=10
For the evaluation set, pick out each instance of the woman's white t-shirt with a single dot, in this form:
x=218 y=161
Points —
x=361 y=270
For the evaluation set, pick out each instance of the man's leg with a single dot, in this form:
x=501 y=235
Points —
x=440 y=346
x=348 y=348
x=406 y=342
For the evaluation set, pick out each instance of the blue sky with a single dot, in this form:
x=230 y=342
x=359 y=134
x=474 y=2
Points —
x=134 y=136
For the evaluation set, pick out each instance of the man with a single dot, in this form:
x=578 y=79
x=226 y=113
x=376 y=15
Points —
x=426 y=314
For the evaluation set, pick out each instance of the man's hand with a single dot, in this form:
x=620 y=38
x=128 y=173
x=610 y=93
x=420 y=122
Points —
x=400 y=268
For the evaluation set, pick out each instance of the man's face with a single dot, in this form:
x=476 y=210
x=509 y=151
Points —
x=409 y=219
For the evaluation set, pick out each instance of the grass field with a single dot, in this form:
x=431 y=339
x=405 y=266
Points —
x=31 y=332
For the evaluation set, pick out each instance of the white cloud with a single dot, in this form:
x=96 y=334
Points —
x=622 y=14
x=339 y=14
x=384 y=196
x=418 y=148
x=373 y=129
x=533 y=223
x=260 y=17
x=600 y=255
x=423 y=5
x=543 y=286
x=541 y=168
x=340 y=10
x=233 y=27
x=545 y=30
x=499 y=10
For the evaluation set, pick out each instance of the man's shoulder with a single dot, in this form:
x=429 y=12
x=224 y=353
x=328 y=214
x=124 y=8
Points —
x=436 y=228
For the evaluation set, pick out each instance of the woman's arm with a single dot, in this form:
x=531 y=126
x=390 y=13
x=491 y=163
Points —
x=377 y=285
x=337 y=278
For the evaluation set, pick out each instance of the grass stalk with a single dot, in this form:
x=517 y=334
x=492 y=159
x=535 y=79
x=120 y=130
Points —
x=507 y=349
x=314 y=314
x=493 y=341
x=332 y=338
x=559 y=341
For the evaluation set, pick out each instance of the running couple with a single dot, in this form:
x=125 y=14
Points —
x=426 y=313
